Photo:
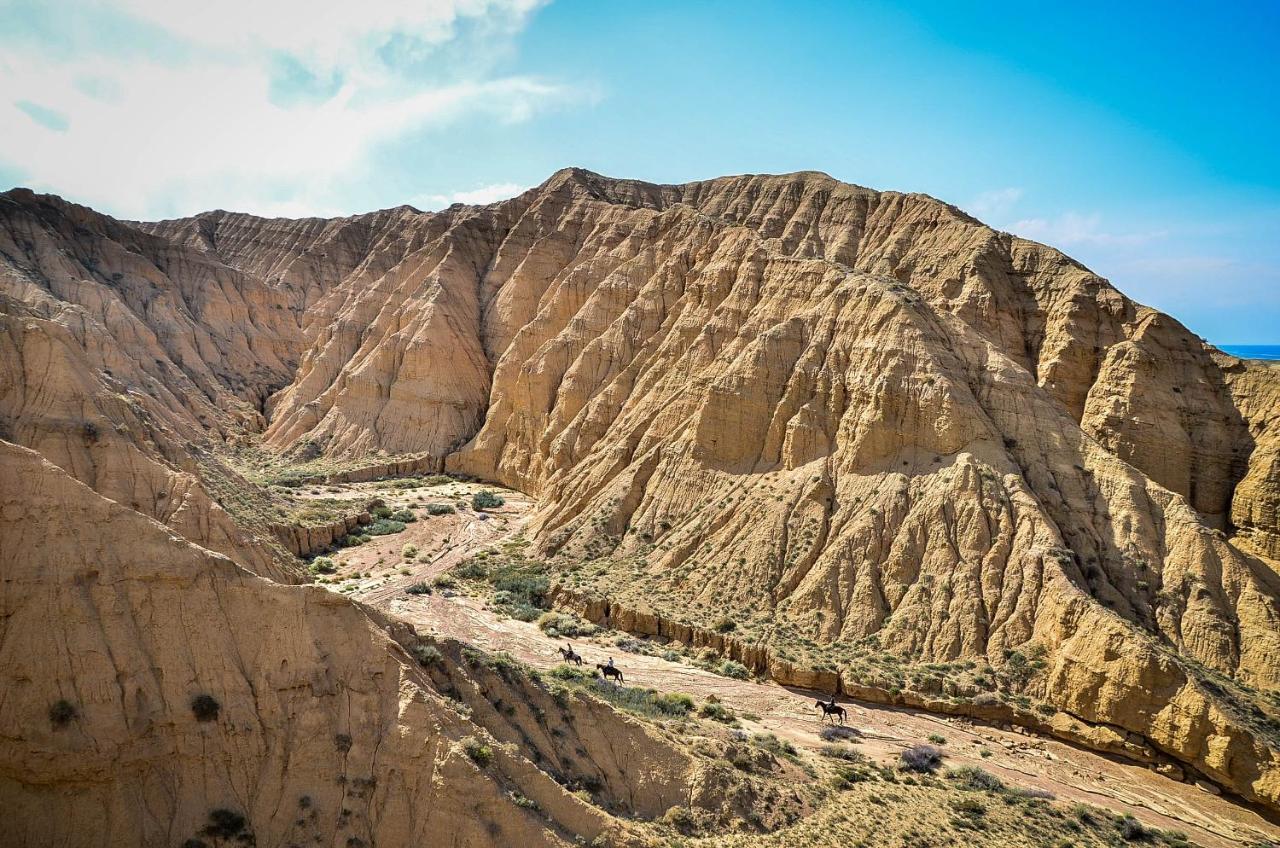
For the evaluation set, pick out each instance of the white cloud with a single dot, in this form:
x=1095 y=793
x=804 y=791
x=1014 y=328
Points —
x=475 y=197
x=994 y=204
x=1074 y=228
x=146 y=136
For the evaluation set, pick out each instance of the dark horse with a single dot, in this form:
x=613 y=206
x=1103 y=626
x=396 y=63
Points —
x=830 y=708
x=609 y=671
x=570 y=655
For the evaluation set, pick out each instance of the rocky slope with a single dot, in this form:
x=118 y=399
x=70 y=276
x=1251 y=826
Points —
x=155 y=692
x=810 y=417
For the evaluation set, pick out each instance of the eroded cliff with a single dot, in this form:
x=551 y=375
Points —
x=825 y=418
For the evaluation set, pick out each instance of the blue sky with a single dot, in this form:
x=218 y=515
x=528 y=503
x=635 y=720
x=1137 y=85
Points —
x=1140 y=138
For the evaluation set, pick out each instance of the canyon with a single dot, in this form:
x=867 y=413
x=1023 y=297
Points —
x=854 y=441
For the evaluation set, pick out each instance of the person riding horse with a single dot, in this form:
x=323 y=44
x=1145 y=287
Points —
x=609 y=670
x=570 y=655
x=831 y=708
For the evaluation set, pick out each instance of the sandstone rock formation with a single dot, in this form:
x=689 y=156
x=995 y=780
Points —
x=826 y=417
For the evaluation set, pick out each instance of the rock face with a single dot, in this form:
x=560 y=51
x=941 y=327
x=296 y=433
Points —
x=828 y=415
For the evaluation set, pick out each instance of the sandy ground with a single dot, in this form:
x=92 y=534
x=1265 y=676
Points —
x=1072 y=774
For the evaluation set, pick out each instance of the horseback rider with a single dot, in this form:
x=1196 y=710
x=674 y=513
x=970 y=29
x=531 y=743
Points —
x=610 y=663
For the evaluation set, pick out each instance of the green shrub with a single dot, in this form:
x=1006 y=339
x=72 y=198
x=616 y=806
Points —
x=384 y=527
x=717 y=712
x=774 y=745
x=1132 y=830
x=419 y=588
x=426 y=654
x=921 y=758
x=673 y=703
x=521 y=801
x=575 y=673
x=440 y=509
x=520 y=591
x=485 y=499
x=322 y=565
x=972 y=777
x=732 y=668
x=969 y=807
x=842 y=752
x=409 y=551
x=472 y=569
x=380 y=511
x=680 y=819
x=404 y=516
x=839 y=733
x=556 y=624
x=725 y=625
x=937 y=739
x=846 y=776
x=480 y=753
x=444 y=581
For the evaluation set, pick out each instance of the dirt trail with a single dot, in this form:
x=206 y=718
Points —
x=1025 y=761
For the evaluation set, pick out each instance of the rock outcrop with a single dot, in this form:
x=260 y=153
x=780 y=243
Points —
x=823 y=416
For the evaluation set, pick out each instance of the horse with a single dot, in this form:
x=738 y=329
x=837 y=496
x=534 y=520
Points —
x=829 y=709
x=570 y=655
x=609 y=671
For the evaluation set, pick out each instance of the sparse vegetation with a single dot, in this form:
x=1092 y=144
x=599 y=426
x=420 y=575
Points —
x=440 y=509
x=558 y=624
x=774 y=745
x=839 y=733
x=322 y=565
x=480 y=753
x=383 y=527
x=925 y=759
x=1132 y=830
x=718 y=712
x=426 y=654
x=972 y=777
x=485 y=499
x=419 y=588
x=672 y=703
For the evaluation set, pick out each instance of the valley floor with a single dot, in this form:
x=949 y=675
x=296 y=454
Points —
x=1020 y=760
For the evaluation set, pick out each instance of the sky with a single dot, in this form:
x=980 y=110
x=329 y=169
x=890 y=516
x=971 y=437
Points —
x=1140 y=138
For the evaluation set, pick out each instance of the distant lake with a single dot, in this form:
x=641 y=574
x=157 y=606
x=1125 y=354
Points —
x=1252 y=351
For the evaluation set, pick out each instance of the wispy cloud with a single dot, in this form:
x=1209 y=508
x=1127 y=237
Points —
x=251 y=104
x=47 y=118
x=995 y=204
x=1075 y=228
x=474 y=197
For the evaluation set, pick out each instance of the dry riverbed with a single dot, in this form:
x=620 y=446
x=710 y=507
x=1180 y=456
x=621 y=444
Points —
x=379 y=573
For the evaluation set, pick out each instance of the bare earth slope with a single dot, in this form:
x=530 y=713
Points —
x=793 y=418
x=318 y=727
